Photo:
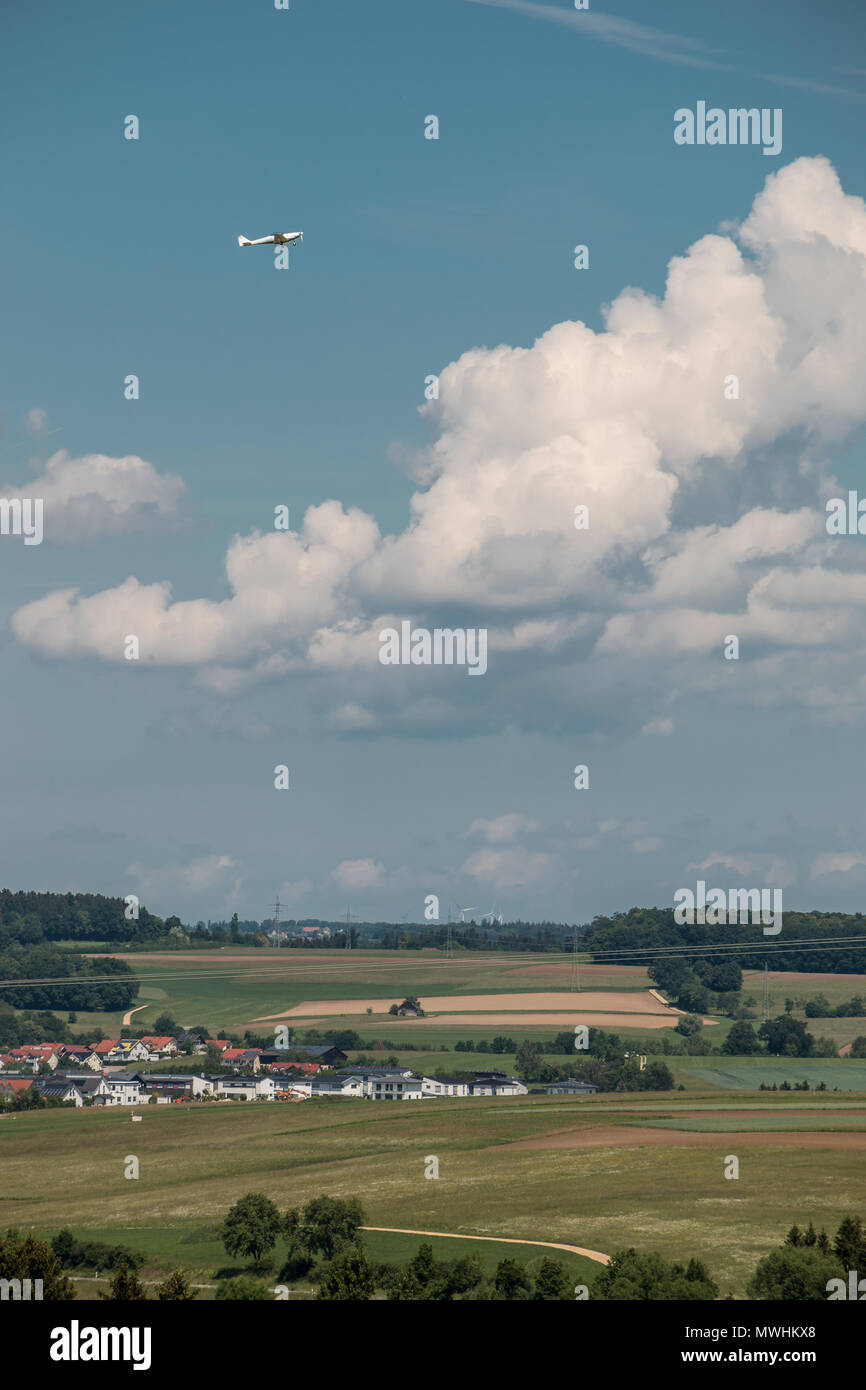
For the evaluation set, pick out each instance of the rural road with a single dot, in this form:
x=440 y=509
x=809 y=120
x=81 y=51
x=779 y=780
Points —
x=500 y=1240
x=127 y=1017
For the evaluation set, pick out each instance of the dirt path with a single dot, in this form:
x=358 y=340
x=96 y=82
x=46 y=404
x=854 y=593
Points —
x=500 y=1240
x=127 y=1017
x=669 y=1008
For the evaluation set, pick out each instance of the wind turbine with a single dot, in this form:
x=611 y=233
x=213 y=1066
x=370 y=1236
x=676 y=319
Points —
x=495 y=920
x=463 y=912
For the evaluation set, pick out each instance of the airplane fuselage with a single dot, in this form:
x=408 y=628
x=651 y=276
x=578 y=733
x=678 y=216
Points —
x=277 y=239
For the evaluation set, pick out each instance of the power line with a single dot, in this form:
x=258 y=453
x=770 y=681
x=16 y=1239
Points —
x=838 y=943
x=600 y=957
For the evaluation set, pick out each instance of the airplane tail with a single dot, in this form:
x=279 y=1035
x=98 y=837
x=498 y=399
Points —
x=242 y=241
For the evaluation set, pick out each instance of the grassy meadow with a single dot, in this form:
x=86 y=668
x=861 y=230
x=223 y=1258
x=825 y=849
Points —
x=66 y=1168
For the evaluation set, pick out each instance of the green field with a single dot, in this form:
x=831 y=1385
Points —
x=747 y=1073
x=231 y=986
x=226 y=988
x=66 y=1168
x=838 y=989
x=749 y=1124
x=201 y=1254
x=800 y=987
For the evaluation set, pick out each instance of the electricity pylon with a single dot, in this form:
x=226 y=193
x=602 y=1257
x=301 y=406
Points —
x=276 y=907
x=575 y=961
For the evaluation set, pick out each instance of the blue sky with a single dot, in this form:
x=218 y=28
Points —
x=261 y=387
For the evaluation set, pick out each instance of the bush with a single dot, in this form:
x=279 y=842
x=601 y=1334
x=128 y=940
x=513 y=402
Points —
x=93 y=1254
x=244 y=1287
x=797 y=1272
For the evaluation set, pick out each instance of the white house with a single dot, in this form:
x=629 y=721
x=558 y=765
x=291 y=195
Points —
x=122 y=1089
x=174 y=1084
x=493 y=1086
x=246 y=1087
x=89 y=1087
x=283 y=1086
x=388 y=1083
x=159 y=1046
x=571 y=1088
x=80 y=1056
x=121 y=1050
x=57 y=1089
x=443 y=1086
x=86 y=1085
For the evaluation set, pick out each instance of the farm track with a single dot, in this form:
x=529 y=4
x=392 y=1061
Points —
x=498 y=1240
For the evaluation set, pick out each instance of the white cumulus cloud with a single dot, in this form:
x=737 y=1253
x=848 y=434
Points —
x=706 y=511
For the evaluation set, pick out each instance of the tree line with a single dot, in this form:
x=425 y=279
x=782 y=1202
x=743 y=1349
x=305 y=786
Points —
x=644 y=928
x=86 y=989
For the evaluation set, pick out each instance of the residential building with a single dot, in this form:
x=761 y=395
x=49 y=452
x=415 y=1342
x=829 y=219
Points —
x=83 y=1056
x=444 y=1086
x=371 y=1083
x=324 y=1053
x=245 y=1087
x=159 y=1047
x=496 y=1083
x=293 y=1090
x=242 y=1057
x=571 y=1088
x=174 y=1083
x=11 y=1085
x=55 y=1088
x=122 y=1088
x=34 y=1055
x=286 y=1068
x=121 y=1050
x=88 y=1087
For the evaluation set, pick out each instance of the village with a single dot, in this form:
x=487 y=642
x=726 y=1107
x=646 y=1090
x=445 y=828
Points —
x=113 y=1073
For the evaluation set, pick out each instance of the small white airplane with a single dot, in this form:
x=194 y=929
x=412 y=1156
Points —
x=278 y=239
